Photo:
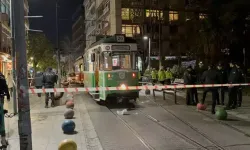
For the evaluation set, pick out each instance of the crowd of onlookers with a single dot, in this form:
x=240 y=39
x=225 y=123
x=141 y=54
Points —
x=212 y=74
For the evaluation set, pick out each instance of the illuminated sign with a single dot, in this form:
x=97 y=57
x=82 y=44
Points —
x=120 y=47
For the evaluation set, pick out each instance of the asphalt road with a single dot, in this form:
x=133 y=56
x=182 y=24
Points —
x=161 y=125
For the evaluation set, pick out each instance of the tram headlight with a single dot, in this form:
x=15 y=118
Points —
x=133 y=75
x=123 y=86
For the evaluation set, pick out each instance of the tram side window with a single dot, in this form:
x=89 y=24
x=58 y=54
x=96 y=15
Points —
x=107 y=61
x=86 y=64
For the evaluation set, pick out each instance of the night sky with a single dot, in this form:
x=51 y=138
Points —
x=48 y=23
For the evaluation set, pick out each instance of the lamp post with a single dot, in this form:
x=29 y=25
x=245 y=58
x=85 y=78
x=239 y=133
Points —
x=24 y=121
x=57 y=47
x=149 y=50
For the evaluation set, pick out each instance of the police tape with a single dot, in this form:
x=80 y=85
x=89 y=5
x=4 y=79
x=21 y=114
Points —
x=126 y=88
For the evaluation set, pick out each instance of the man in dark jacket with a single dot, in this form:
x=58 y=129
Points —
x=49 y=80
x=223 y=80
x=4 y=91
x=200 y=70
x=191 y=93
x=241 y=80
x=233 y=78
x=211 y=76
x=38 y=81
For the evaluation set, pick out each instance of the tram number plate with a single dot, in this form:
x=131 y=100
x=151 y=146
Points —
x=120 y=38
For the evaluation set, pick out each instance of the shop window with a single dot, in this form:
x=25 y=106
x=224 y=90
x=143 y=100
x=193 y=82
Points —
x=173 y=16
x=130 y=30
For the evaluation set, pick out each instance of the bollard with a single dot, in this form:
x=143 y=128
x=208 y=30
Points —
x=68 y=126
x=221 y=114
x=67 y=144
x=69 y=114
x=70 y=104
x=201 y=106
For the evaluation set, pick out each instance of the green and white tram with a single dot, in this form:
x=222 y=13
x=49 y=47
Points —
x=111 y=62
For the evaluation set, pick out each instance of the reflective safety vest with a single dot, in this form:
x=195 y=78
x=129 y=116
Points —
x=169 y=75
x=139 y=75
x=161 y=75
x=154 y=74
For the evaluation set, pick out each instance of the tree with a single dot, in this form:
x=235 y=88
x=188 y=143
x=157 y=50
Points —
x=40 y=51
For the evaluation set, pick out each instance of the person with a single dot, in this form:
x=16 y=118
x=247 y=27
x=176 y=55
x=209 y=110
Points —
x=200 y=70
x=49 y=80
x=169 y=76
x=189 y=79
x=154 y=75
x=38 y=81
x=211 y=76
x=233 y=78
x=241 y=80
x=223 y=80
x=4 y=91
x=161 y=75
x=10 y=83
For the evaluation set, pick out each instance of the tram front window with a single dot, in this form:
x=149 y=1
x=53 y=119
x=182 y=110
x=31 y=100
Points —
x=117 y=60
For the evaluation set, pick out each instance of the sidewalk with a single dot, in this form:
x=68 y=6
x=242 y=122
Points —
x=46 y=126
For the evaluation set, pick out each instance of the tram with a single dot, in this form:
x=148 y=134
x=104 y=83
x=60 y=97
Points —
x=111 y=62
x=79 y=70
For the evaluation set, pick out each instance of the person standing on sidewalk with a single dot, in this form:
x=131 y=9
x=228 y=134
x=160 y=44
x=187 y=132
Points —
x=241 y=80
x=4 y=91
x=191 y=93
x=10 y=83
x=211 y=76
x=49 y=80
x=223 y=80
x=169 y=76
x=233 y=78
x=161 y=75
x=38 y=81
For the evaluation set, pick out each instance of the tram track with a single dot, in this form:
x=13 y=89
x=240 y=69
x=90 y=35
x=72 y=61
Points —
x=178 y=134
x=215 y=144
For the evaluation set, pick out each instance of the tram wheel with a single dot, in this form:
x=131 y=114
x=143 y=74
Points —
x=101 y=102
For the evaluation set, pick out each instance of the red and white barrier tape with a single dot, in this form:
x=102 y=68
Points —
x=144 y=87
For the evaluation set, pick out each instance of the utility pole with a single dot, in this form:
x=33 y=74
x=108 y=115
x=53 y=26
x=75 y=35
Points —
x=13 y=54
x=24 y=122
x=57 y=47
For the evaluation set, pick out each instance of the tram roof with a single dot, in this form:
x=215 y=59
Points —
x=112 y=39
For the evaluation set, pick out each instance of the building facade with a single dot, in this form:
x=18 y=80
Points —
x=78 y=37
x=164 y=21
x=5 y=36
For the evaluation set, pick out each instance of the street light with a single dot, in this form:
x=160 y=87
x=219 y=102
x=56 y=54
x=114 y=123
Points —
x=149 y=50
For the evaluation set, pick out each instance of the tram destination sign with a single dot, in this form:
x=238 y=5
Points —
x=120 y=47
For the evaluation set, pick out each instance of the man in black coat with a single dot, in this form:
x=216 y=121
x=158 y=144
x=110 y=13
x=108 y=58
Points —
x=223 y=80
x=49 y=80
x=191 y=93
x=241 y=80
x=38 y=81
x=233 y=78
x=211 y=76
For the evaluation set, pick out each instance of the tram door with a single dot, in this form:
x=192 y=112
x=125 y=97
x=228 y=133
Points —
x=97 y=61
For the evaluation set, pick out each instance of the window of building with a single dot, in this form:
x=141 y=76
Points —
x=173 y=15
x=125 y=14
x=130 y=30
x=154 y=13
x=202 y=16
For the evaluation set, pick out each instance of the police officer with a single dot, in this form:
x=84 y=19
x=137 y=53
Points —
x=4 y=91
x=49 y=80
x=161 y=75
x=154 y=75
x=211 y=76
x=200 y=70
x=241 y=80
x=233 y=78
x=223 y=80
x=191 y=93
x=169 y=76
